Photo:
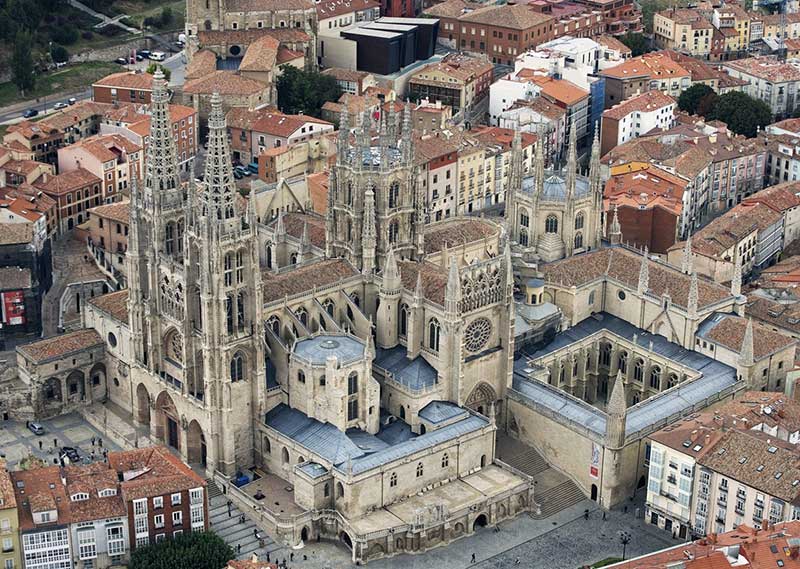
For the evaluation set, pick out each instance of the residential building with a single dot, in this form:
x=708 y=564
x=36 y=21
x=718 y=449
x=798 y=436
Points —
x=541 y=117
x=769 y=80
x=74 y=192
x=9 y=522
x=651 y=71
x=20 y=172
x=34 y=201
x=351 y=81
x=782 y=140
x=458 y=81
x=107 y=237
x=619 y=17
x=647 y=203
x=113 y=158
x=634 y=117
x=124 y=87
x=236 y=90
x=683 y=29
x=613 y=51
x=497 y=161
x=40 y=138
x=428 y=116
x=255 y=131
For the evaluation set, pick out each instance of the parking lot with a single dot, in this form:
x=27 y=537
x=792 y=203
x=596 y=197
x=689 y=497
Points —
x=18 y=442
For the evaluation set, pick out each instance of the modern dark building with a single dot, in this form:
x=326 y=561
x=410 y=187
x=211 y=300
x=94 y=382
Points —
x=427 y=30
x=387 y=45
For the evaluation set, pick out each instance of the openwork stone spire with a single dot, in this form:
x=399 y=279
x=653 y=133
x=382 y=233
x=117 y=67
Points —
x=161 y=160
x=218 y=198
x=452 y=293
x=538 y=165
x=616 y=411
x=572 y=162
x=369 y=238
x=514 y=182
x=391 y=275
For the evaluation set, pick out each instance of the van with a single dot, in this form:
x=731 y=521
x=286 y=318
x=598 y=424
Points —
x=157 y=56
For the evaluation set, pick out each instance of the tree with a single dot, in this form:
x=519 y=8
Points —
x=195 y=550
x=151 y=69
x=59 y=53
x=22 y=62
x=305 y=92
x=637 y=42
x=742 y=113
x=65 y=34
x=695 y=97
x=166 y=16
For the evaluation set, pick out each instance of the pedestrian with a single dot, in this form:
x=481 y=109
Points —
x=55 y=443
x=305 y=557
x=604 y=515
x=473 y=558
x=516 y=561
x=291 y=556
x=626 y=509
x=40 y=445
x=229 y=508
x=586 y=514
x=238 y=548
x=255 y=533
x=92 y=441
x=99 y=442
x=283 y=562
x=267 y=556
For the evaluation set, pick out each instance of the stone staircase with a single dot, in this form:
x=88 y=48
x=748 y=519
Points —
x=553 y=492
x=236 y=533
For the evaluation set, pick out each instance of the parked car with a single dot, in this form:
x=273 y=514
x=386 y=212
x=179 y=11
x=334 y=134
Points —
x=238 y=175
x=72 y=453
x=72 y=101
x=242 y=170
x=30 y=113
x=144 y=53
x=59 y=106
x=121 y=60
x=36 y=429
x=139 y=57
x=157 y=56
x=253 y=167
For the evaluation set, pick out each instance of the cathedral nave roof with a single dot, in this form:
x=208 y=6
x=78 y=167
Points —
x=293 y=222
x=456 y=232
x=433 y=277
x=306 y=277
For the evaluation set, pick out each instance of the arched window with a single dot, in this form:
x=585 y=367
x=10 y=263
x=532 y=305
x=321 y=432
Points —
x=293 y=259
x=275 y=325
x=445 y=460
x=419 y=469
x=179 y=236
x=433 y=334
x=349 y=229
x=575 y=367
x=524 y=220
x=352 y=384
x=169 y=238
x=302 y=315
x=622 y=362
x=339 y=490
x=523 y=237
x=237 y=367
x=229 y=314
x=579 y=221
x=228 y=272
x=655 y=377
x=605 y=354
x=285 y=456
x=591 y=298
x=267 y=446
x=269 y=256
x=240 y=311
x=239 y=266
x=403 y=330
x=327 y=490
x=329 y=306
x=578 y=240
x=393 y=480
x=672 y=381
x=394 y=194
x=349 y=195
x=322 y=381
x=551 y=224
x=301 y=376
x=562 y=373
x=394 y=230
x=638 y=371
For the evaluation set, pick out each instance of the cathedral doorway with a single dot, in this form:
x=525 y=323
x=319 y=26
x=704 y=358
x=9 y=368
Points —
x=167 y=421
x=195 y=444
x=480 y=522
x=76 y=386
x=142 y=405
x=594 y=492
x=304 y=534
x=481 y=398
x=345 y=539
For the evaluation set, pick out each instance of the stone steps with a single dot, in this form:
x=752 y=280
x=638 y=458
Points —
x=558 y=498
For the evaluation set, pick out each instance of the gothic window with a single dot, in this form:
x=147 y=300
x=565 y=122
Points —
x=267 y=446
x=285 y=456
x=352 y=384
x=579 y=221
x=393 y=480
x=419 y=470
x=329 y=306
x=433 y=334
x=349 y=193
x=293 y=259
x=174 y=347
x=350 y=314
x=575 y=367
x=523 y=237
x=352 y=410
x=169 y=238
x=239 y=266
x=638 y=371
x=322 y=381
x=302 y=316
x=339 y=490
x=588 y=363
x=275 y=325
x=578 y=240
x=403 y=331
x=562 y=373
x=636 y=398
x=355 y=299
x=327 y=490
x=240 y=310
x=551 y=224
x=394 y=194
x=228 y=269
x=394 y=230
x=237 y=367
x=349 y=230
x=591 y=298
x=672 y=381
x=605 y=354
x=524 y=220
x=269 y=256
x=229 y=314
x=179 y=237
x=477 y=334
x=655 y=377
x=301 y=376
x=445 y=460
x=622 y=362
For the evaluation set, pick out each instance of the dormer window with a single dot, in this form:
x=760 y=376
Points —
x=107 y=492
x=79 y=497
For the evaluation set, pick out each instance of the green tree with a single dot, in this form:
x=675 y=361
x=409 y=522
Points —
x=195 y=550
x=166 y=16
x=59 y=53
x=151 y=69
x=65 y=34
x=637 y=42
x=22 y=62
x=742 y=113
x=695 y=97
x=305 y=92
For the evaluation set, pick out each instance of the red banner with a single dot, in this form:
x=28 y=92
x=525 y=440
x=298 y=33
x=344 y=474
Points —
x=13 y=308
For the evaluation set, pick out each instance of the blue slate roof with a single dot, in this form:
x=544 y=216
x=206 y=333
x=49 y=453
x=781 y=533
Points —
x=319 y=348
x=555 y=187
x=416 y=374
x=440 y=411
x=313 y=469
x=716 y=377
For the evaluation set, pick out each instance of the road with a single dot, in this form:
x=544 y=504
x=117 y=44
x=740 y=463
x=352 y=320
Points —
x=104 y=20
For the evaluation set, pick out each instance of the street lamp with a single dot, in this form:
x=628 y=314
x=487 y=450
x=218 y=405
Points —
x=624 y=539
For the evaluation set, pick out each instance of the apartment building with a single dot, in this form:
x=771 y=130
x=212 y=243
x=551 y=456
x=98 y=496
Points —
x=620 y=17
x=651 y=71
x=543 y=118
x=40 y=138
x=634 y=117
x=74 y=192
x=107 y=236
x=113 y=158
x=351 y=81
x=9 y=523
x=124 y=87
x=770 y=80
x=685 y=30
x=458 y=81
x=496 y=142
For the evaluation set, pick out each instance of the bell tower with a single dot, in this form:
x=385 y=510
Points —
x=204 y=15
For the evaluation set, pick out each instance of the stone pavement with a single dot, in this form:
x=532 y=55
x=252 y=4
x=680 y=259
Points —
x=17 y=442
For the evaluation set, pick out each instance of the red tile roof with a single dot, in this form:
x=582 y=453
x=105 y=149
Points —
x=648 y=101
x=127 y=80
x=68 y=181
x=62 y=345
x=114 y=303
x=158 y=471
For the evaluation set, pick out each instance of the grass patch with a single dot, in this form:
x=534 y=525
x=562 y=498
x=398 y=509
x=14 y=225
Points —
x=69 y=79
x=607 y=561
x=137 y=11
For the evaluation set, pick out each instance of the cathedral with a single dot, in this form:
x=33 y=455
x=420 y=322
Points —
x=360 y=359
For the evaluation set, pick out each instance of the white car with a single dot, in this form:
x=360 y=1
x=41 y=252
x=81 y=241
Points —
x=157 y=56
x=59 y=106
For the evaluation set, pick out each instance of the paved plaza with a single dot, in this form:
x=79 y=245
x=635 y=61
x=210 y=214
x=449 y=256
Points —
x=17 y=442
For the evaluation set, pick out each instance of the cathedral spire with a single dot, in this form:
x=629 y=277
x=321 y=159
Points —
x=391 y=275
x=407 y=146
x=452 y=293
x=615 y=230
x=572 y=162
x=514 y=183
x=219 y=196
x=305 y=244
x=369 y=236
x=736 y=279
x=343 y=138
x=418 y=292
x=693 y=296
x=595 y=169
x=686 y=259
x=616 y=410
x=280 y=229
x=539 y=166
x=161 y=160
x=746 y=357
x=644 y=274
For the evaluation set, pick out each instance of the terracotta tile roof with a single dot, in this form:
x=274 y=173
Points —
x=779 y=315
x=34 y=199
x=492 y=135
x=332 y=8
x=293 y=222
x=342 y=74
x=648 y=101
x=542 y=106
x=7 y=497
x=224 y=83
x=456 y=232
x=260 y=55
x=20 y=208
x=688 y=160
x=12 y=278
x=447 y=9
x=434 y=279
x=285 y=55
x=779 y=198
x=270 y=121
x=656 y=65
x=563 y=91
x=77 y=113
x=203 y=62
x=318 y=185
x=61 y=345
x=516 y=16
x=305 y=278
x=456 y=66
x=790 y=125
x=32 y=130
x=623 y=266
x=92 y=479
x=40 y=490
x=23 y=167
x=767 y=68
x=113 y=303
x=127 y=80
x=106 y=147
x=16 y=233
x=246 y=37
x=729 y=332
x=161 y=473
x=646 y=188
x=700 y=71
x=119 y=211
x=68 y=181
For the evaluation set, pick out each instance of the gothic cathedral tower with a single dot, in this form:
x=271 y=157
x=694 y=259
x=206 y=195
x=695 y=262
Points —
x=204 y=15
x=373 y=202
